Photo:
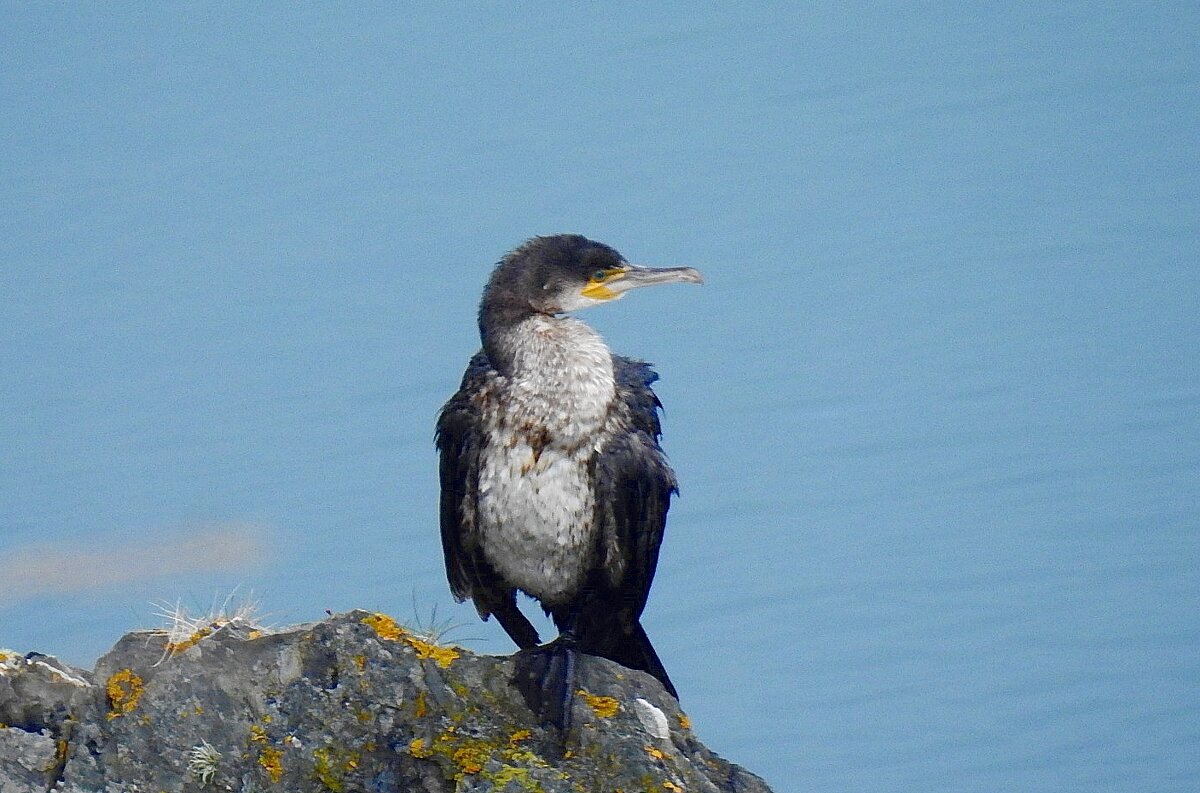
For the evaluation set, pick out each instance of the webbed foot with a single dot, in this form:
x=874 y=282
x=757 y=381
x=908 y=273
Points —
x=545 y=676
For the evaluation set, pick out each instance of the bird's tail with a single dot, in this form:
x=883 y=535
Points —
x=632 y=650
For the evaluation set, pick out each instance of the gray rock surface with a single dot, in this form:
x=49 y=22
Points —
x=352 y=703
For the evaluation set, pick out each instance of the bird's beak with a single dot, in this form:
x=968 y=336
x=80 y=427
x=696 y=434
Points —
x=632 y=277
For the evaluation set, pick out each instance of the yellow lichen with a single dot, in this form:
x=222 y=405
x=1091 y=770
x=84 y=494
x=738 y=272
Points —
x=417 y=748
x=257 y=734
x=671 y=786
x=175 y=648
x=386 y=628
x=421 y=707
x=654 y=752
x=470 y=759
x=520 y=774
x=604 y=707
x=684 y=721
x=254 y=634
x=361 y=662
x=467 y=755
x=461 y=755
x=124 y=689
x=525 y=756
x=271 y=759
x=442 y=656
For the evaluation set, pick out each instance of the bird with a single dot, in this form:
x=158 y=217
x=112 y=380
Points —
x=553 y=482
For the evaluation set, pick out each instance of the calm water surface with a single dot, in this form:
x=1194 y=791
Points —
x=936 y=412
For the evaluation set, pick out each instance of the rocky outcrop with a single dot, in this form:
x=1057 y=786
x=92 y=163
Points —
x=352 y=703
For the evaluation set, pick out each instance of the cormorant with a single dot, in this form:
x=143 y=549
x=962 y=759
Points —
x=553 y=482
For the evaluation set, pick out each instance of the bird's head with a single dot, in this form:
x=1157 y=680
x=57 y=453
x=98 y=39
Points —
x=567 y=272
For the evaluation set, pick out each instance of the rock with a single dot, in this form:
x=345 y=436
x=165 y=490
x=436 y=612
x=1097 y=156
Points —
x=352 y=703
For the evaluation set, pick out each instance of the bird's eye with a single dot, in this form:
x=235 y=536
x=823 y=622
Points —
x=599 y=275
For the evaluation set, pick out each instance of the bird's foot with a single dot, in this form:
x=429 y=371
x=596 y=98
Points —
x=545 y=676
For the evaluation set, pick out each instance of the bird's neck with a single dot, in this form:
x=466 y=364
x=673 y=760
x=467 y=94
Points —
x=558 y=377
x=557 y=348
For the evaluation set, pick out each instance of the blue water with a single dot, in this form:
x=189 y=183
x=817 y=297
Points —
x=936 y=412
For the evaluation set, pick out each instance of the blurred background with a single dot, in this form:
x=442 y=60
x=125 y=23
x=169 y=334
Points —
x=935 y=414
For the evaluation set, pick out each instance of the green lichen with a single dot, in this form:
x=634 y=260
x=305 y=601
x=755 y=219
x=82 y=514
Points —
x=323 y=770
x=512 y=773
x=330 y=766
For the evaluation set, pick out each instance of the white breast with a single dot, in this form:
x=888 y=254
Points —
x=535 y=497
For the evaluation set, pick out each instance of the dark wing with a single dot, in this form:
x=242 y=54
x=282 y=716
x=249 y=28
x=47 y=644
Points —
x=460 y=442
x=634 y=488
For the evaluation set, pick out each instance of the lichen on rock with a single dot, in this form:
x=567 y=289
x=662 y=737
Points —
x=354 y=702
